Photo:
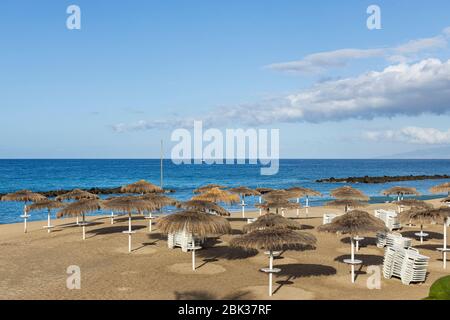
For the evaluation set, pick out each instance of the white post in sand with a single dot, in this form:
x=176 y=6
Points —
x=193 y=258
x=270 y=273
x=84 y=228
x=298 y=210
x=243 y=206
x=25 y=216
x=112 y=217
x=307 y=205
x=260 y=209
x=445 y=243
x=77 y=222
x=129 y=233
x=353 y=258
x=48 y=226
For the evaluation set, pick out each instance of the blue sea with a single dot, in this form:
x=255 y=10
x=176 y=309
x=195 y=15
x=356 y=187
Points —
x=43 y=175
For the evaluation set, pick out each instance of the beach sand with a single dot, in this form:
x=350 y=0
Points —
x=34 y=265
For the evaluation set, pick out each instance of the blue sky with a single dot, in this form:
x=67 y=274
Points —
x=139 y=69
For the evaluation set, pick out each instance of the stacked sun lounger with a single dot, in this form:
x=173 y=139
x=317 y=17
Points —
x=406 y=264
x=184 y=240
x=392 y=240
x=389 y=217
x=328 y=217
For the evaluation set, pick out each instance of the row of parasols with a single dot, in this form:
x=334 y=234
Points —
x=202 y=215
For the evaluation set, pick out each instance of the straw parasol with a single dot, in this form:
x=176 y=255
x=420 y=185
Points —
x=160 y=201
x=278 y=204
x=446 y=200
x=301 y=192
x=354 y=223
x=429 y=215
x=80 y=208
x=203 y=205
x=141 y=187
x=442 y=188
x=24 y=196
x=262 y=191
x=347 y=197
x=128 y=205
x=277 y=195
x=400 y=192
x=243 y=192
x=272 y=239
x=217 y=195
x=209 y=187
x=271 y=220
x=195 y=223
x=46 y=204
x=76 y=194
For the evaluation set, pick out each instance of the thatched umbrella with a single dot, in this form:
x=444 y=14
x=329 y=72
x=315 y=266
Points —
x=217 y=195
x=348 y=197
x=273 y=239
x=424 y=216
x=439 y=215
x=129 y=205
x=46 y=204
x=24 y=196
x=271 y=220
x=243 y=192
x=354 y=223
x=81 y=208
x=76 y=194
x=203 y=205
x=442 y=188
x=209 y=187
x=446 y=200
x=400 y=192
x=141 y=187
x=301 y=192
x=196 y=223
x=278 y=204
x=262 y=191
x=412 y=203
x=160 y=201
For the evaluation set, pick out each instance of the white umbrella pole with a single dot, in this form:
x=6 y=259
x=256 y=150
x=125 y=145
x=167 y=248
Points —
x=445 y=244
x=25 y=216
x=270 y=273
x=243 y=207
x=307 y=204
x=298 y=210
x=129 y=233
x=260 y=209
x=193 y=259
x=48 y=221
x=78 y=222
x=84 y=228
x=112 y=217
x=352 y=258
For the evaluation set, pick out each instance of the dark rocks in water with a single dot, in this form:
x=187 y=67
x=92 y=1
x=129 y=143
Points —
x=95 y=190
x=383 y=179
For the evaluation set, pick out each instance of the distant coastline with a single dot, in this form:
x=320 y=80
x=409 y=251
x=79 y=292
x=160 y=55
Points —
x=383 y=179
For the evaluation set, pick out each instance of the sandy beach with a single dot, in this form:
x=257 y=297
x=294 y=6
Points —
x=33 y=265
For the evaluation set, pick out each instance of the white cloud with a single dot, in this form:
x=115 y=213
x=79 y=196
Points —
x=322 y=61
x=413 y=135
x=404 y=89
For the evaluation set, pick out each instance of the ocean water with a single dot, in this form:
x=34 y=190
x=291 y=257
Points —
x=42 y=175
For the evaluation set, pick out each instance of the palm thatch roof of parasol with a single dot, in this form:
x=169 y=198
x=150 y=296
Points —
x=218 y=195
x=203 y=205
x=446 y=200
x=264 y=190
x=160 y=200
x=400 y=190
x=424 y=216
x=23 y=196
x=271 y=220
x=76 y=194
x=279 y=195
x=245 y=191
x=81 y=207
x=141 y=186
x=274 y=239
x=303 y=192
x=346 y=203
x=45 y=204
x=129 y=204
x=413 y=203
x=209 y=187
x=281 y=204
x=348 y=192
x=197 y=223
x=354 y=222
x=442 y=188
